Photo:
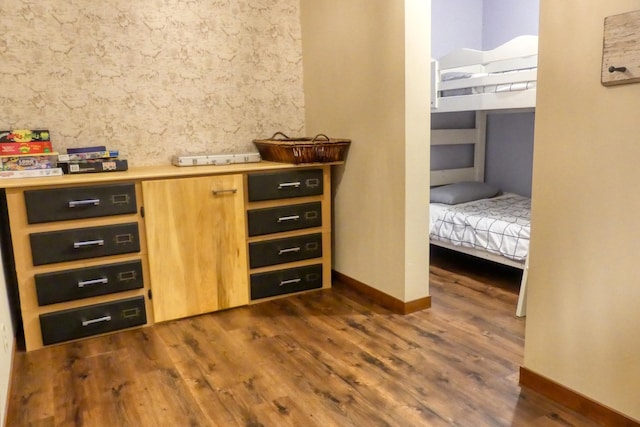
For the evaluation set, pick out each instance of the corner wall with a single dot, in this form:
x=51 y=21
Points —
x=359 y=84
x=583 y=319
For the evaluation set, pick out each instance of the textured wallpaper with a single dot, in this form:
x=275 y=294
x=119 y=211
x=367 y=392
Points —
x=152 y=78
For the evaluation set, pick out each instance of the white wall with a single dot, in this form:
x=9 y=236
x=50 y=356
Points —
x=356 y=77
x=583 y=321
x=503 y=20
x=417 y=147
x=5 y=352
x=456 y=24
x=480 y=24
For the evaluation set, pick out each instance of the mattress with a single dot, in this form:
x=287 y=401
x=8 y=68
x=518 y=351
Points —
x=499 y=225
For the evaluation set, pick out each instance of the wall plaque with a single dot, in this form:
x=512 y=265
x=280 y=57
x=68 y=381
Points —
x=621 y=49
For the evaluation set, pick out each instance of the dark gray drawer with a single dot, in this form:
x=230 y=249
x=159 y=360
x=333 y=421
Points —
x=92 y=320
x=286 y=281
x=285 y=184
x=59 y=204
x=284 y=218
x=279 y=251
x=87 y=282
x=80 y=243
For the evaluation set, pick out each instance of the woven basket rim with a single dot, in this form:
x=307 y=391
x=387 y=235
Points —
x=301 y=141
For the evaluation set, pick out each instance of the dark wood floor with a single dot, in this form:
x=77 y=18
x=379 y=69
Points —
x=327 y=358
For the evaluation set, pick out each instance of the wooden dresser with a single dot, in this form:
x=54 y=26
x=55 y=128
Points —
x=98 y=253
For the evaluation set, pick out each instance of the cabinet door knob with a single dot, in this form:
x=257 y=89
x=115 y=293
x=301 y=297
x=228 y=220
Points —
x=230 y=190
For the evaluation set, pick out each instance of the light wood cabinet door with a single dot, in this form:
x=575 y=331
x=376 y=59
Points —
x=196 y=240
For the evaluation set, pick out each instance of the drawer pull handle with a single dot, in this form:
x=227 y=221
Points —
x=75 y=203
x=289 y=250
x=77 y=245
x=98 y=320
x=289 y=218
x=290 y=282
x=284 y=185
x=101 y=281
x=230 y=190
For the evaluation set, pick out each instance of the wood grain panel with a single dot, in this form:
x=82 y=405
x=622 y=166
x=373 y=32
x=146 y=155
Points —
x=196 y=240
x=621 y=49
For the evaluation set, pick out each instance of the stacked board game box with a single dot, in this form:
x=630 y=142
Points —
x=91 y=159
x=25 y=141
x=19 y=162
x=26 y=153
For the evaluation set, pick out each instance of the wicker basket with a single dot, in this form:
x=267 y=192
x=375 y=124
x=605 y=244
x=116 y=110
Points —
x=319 y=149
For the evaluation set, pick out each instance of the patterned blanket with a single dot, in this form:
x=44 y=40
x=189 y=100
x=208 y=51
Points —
x=500 y=225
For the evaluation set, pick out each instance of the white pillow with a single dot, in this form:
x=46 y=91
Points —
x=461 y=192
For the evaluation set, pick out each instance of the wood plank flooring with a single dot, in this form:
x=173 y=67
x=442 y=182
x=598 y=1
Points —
x=326 y=358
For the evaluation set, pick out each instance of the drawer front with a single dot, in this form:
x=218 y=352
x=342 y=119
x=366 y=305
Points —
x=285 y=184
x=92 y=320
x=87 y=282
x=279 y=251
x=61 y=204
x=80 y=243
x=286 y=281
x=284 y=218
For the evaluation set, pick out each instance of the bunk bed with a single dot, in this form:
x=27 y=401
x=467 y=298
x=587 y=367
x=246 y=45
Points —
x=502 y=78
x=466 y=214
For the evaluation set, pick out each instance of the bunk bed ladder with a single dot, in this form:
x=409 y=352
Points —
x=475 y=136
x=480 y=145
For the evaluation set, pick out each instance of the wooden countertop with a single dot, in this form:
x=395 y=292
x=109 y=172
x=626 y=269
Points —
x=151 y=172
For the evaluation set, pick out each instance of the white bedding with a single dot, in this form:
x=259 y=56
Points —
x=493 y=88
x=499 y=225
